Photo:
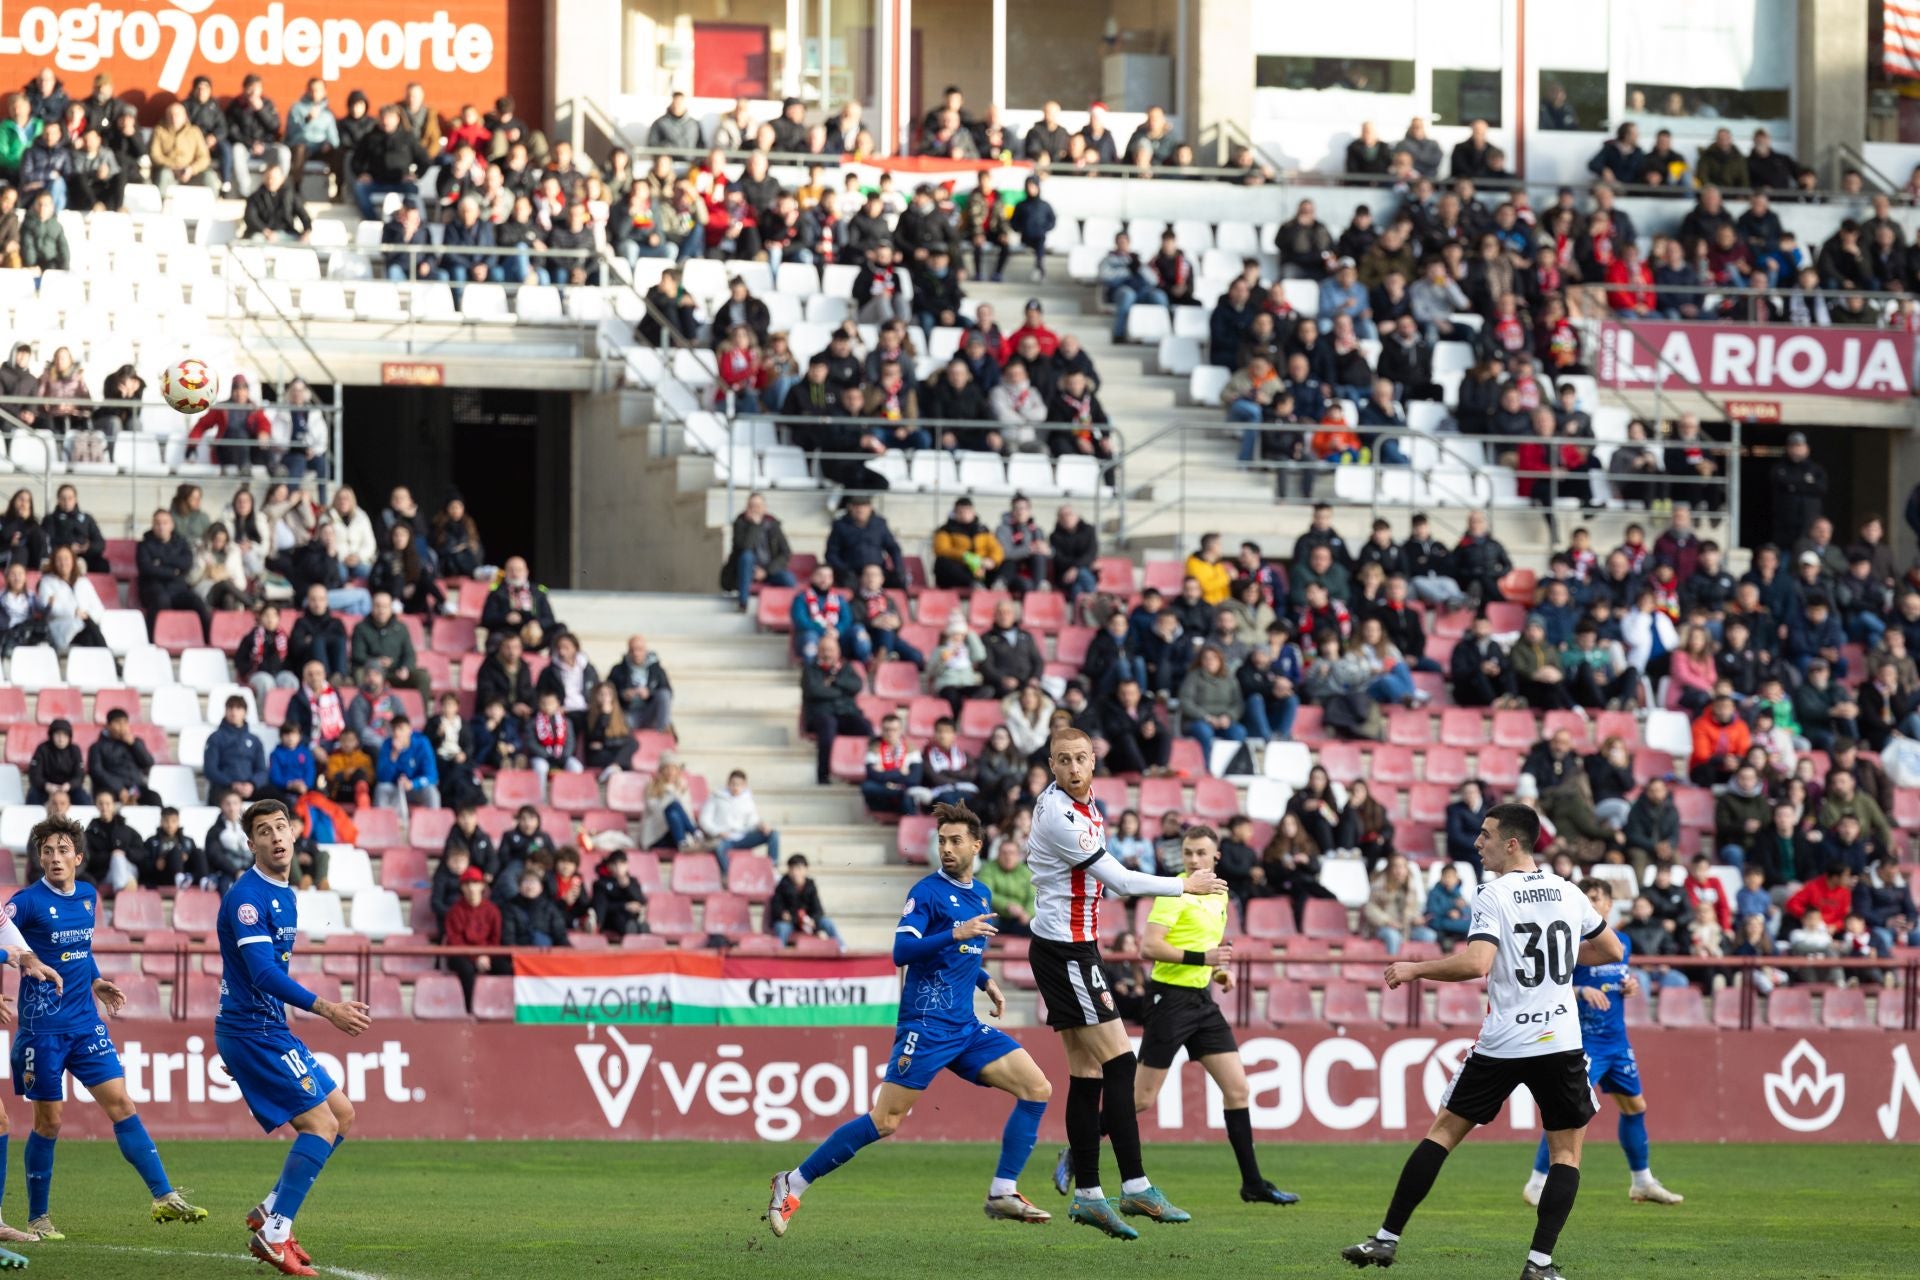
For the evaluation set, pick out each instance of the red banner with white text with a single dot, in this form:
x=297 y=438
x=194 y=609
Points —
x=469 y=1080
x=1735 y=359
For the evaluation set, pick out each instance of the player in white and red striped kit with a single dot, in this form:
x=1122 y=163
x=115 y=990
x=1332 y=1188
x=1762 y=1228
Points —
x=1067 y=854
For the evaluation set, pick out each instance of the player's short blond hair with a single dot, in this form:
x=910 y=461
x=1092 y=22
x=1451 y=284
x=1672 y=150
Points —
x=1068 y=733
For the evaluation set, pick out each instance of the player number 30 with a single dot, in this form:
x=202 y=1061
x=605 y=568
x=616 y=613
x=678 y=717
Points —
x=1555 y=962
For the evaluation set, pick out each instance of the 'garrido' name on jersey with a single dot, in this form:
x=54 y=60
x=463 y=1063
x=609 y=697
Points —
x=1536 y=895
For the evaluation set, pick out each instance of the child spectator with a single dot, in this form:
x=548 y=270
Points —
x=550 y=742
x=496 y=738
x=1753 y=940
x=170 y=856
x=1813 y=938
x=1447 y=912
x=524 y=847
x=795 y=906
x=472 y=921
x=349 y=771
x=1856 y=942
x=406 y=773
x=291 y=768
x=619 y=903
x=1753 y=898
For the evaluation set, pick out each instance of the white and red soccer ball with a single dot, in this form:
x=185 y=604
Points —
x=189 y=386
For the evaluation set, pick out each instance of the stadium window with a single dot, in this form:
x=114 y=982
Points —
x=1460 y=96
x=836 y=53
x=1052 y=52
x=1693 y=102
x=712 y=48
x=1585 y=103
x=1355 y=75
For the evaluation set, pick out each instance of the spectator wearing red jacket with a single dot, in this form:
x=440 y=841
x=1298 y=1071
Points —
x=1831 y=895
x=1637 y=298
x=1035 y=325
x=474 y=921
x=246 y=421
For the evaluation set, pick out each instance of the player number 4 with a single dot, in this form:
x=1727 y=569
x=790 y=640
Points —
x=1555 y=962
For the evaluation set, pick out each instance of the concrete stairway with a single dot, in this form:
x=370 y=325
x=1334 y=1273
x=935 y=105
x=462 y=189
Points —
x=736 y=705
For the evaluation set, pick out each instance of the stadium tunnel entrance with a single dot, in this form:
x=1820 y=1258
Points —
x=1860 y=462
x=508 y=452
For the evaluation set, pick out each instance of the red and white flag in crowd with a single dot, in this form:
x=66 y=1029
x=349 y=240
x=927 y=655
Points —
x=1900 y=50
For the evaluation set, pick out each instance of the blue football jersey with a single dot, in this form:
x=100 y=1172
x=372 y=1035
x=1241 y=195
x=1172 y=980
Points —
x=58 y=928
x=939 y=991
x=1608 y=1025
x=255 y=912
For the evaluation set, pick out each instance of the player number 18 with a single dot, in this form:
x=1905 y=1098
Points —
x=294 y=1063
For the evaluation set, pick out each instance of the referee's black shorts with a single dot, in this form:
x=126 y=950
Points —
x=1557 y=1081
x=1071 y=983
x=1183 y=1018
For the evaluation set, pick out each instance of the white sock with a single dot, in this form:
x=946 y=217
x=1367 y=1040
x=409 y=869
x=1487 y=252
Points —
x=1537 y=1178
x=272 y=1196
x=1384 y=1234
x=1538 y=1258
x=278 y=1229
x=1641 y=1177
x=1089 y=1193
x=796 y=1183
x=1134 y=1186
x=1003 y=1187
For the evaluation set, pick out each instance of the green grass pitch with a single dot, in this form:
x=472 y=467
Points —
x=425 y=1210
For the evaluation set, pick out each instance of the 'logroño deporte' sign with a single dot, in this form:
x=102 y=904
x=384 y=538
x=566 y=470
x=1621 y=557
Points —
x=1730 y=359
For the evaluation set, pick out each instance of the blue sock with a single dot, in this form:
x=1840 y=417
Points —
x=1633 y=1141
x=1017 y=1139
x=841 y=1146
x=140 y=1152
x=3 y=1164
x=1540 y=1162
x=338 y=1140
x=39 y=1174
x=304 y=1162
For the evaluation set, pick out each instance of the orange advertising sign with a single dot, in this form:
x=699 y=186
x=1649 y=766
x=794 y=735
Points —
x=460 y=50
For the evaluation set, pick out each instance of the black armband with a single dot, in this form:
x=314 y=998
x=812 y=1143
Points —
x=1193 y=957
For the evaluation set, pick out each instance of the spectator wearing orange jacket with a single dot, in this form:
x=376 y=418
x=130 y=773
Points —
x=1637 y=299
x=1720 y=741
x=1207 y=567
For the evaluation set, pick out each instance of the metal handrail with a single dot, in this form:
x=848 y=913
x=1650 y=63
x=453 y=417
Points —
x=232 y=259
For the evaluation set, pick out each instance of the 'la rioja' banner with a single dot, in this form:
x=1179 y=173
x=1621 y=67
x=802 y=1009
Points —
x=1736 y=359
x=676 y=988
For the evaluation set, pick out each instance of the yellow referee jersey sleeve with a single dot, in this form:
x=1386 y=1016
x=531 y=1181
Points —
x=1194 y=923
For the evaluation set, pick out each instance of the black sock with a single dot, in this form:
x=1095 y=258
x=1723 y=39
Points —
x=1240 y=1134
x=1122 y=1123
x=1083 y=1129
x=1556 y=1203
x=1416 y=1179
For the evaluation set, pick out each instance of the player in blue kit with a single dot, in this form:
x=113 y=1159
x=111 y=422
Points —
x=942 y=941
x=1602 y=990
x=61 y=1030
x=277 y=1075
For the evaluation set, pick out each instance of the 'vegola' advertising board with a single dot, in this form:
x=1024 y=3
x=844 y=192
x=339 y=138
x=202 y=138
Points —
x=461 y=1080
x=459 y=50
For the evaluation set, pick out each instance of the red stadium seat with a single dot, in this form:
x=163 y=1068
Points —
x=727 y=914
x=922 y=713
x=645 y=866
x=773 y=610
x=493 y=998
x=649 y=746
x=934 y=605
x=1506 y=617
x=229 y=628
x=980 y=607
x=1463 y=727
x=1215 y=799
x=379 y=829
x=107 y=701
x=755 y=944
x=1325 y=918
x=595 y=821
x=1517 y=730
x=59 y=704
x=1439 y=649
x=1617 y=724
x=1270 y=918
x=515 y=787
x=913 y=837
x=161 y=956
x=1164 y=576
x=1639 y=1010
x=382 y=997
x=849 y=760
x=1043 y=612
x=1392 y=764
x=427 y=828
x=1110 y=796
x=1409 y=728
x=1447 y=768
x=1309 y=725
x=1427 y=802
x=1650 y=763
x=1158 y=796
x=403 y=870
x=437 y=998
x=1791 y=1009
x=1115 y=575
x=178 y=630
x=139 y=911
x=1314 y=971
x=670 y=915
x=1017 y=973
x=696 y=874
x=1498 y=767
x=1726 y=1010
x=897 y=680
x=1681 y=1007
x=1845 y=1009
x=143 y=998
x=627 y=792
x=979 y=717
x=1695 y=806
x=454 y=636
x=1342 y=761
x=1346 y=1002
x=1396 y=1007
x=1573 y=722
x=203 y=999
x=809 y=944
x=751 y=875
x=1460 y=1005
x=1289 y=1003
x=574 y=792
x=123 y=555
x=1519 y=584
x=196 y=911
x=13 y=706
x=1072 y=644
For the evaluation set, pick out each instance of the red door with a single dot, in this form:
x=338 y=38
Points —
x=730 y=60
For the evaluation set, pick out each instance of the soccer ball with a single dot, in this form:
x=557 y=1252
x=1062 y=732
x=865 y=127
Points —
x=188 y=385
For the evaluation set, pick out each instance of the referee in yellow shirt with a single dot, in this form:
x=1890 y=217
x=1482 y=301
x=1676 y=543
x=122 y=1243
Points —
x=1185 y=940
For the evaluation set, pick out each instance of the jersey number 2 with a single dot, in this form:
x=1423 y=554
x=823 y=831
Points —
x=1555 y=962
